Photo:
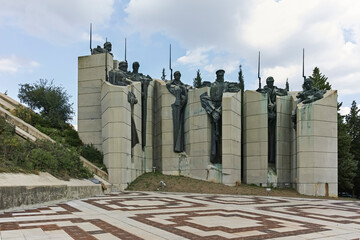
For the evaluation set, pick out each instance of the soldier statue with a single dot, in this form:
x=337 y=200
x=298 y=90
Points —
x=106 y=49
x=272 y=91
x=213 y=106
x=180 y=91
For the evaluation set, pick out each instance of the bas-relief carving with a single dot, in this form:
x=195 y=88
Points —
x=180 y=91
x=272 y=91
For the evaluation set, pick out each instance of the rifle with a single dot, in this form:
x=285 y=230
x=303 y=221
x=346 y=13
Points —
x=303 y=71
x=259 y=71
x=90 y=37
x=125 y=50
x=171 y=70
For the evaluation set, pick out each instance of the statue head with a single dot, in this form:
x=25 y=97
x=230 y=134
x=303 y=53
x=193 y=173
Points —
x=270 y=81
x=307 y=84
x=177 y=75
x=123 y=66
x=220 y=75
x=107 y=46
x=135 y=67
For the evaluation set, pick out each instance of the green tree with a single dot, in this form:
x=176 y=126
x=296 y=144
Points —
x=353 y=124
x=319 y=80
x=241 y=80
x=198 y=80
x=346 y=164
x=51 y=101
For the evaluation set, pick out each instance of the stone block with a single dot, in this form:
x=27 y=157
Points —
x=256 y=108
x=89 y=125
x=199 y=149
x=256 y=149
x=313 y=111
x=118 y=160
x=116 y=129
x=316 y=143
x=257 y=163
x=116 y=114
x=253 y=96
x=199 y=174
x=93 y=73
x=256 y=135
x=231 y=162
x=256 y=177
x=89 y=86
x=231 y=132
x=317 y=160
x=317 y=175
x=256 y=121
x=117 y=145
x=96 y=60
x=231 y=118
x=231 y=147
x=89 y=112
x=231 y=177
x=89 y=99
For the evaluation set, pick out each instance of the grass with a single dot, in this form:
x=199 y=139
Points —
x=151 y=182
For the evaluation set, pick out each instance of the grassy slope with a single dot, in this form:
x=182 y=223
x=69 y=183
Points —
x=151 y=182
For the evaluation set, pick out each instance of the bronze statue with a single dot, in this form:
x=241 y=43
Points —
x=180 y=91
x=106 y=49
x=145 y=81
x=309 y=94
x=134 y=136
x=119 y=77
x=272 y=91
x=213 y=106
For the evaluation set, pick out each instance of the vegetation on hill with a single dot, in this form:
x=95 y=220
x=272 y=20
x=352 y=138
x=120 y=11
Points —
x=54 y=112
x=18 y=155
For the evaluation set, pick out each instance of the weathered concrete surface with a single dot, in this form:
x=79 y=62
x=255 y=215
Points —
x=19 y=190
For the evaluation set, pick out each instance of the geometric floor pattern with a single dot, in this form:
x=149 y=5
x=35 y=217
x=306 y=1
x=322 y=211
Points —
x=156 y=215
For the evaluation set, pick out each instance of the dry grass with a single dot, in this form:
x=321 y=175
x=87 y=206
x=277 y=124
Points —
x=151 y=182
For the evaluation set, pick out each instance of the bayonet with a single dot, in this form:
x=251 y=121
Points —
x=259 y=71
x=171 y=71
x=125 y=50
x=303 y=70
x=90 y=37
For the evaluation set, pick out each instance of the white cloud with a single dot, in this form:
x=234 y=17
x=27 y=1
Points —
x=59 y=21
x=344 y=111
x=329 y=30
x=15 y=64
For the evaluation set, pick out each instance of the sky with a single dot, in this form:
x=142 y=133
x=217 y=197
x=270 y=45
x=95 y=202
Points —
x=43 y=39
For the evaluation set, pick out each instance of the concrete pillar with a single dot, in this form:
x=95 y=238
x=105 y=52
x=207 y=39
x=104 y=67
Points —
x=91 y=72
x=231 y=138
x=317 y=147
x=256 y=138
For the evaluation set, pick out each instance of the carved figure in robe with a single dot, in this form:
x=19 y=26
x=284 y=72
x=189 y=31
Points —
x=180 y=91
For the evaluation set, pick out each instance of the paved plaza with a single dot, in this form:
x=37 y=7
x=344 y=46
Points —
x=155 y=215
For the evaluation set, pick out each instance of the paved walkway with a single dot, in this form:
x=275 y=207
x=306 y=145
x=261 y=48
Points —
x=147 y=215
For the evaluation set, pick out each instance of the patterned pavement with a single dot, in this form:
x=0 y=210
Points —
x=155 y=215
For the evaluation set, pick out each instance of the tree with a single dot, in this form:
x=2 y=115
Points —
x=241 y=80
x=353 y=124
x=346 y=164
x=52 y=102
x=319 y=80
x=163 y=76
x=198 y=80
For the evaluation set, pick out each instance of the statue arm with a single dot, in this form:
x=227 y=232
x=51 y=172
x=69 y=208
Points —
x=206 y=103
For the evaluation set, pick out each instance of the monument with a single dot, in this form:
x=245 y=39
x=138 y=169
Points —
x=290 y=138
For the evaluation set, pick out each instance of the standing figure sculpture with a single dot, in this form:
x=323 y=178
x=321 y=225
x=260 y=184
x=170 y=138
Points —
x=272 y=91
x=213 y=106
x=134 y=136
x=180 y=91
x=145 y=81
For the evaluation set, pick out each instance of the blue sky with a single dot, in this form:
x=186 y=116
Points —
x=42 y=39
